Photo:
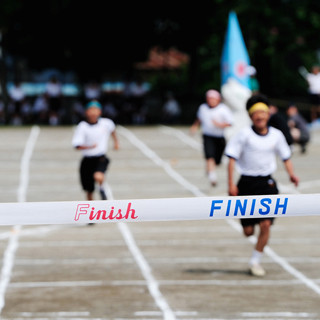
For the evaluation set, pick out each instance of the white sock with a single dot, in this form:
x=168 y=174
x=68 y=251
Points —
x=256 y=257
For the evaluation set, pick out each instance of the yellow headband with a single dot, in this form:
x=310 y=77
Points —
x=259 y=106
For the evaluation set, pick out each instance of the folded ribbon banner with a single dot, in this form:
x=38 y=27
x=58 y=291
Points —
x=166 y=209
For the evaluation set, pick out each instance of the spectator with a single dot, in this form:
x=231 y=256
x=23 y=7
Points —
x=138 y=93
x=277 y=120
x=40 y=109
x=171 y=109
x=298 y=127
x=92 y=91
x=2 y=112
x=254 y=83
x=109 y=109
x=17 y=99
x=54 y=96
x=77 y=112
x=313 y=79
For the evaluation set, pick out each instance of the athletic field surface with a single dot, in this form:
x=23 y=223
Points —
x=186 y=270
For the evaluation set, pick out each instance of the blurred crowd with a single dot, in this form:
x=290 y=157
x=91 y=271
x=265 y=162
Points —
x=127 y=104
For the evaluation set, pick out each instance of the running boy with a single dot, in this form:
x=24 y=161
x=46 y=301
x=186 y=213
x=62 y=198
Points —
x=213 y=116
x=254 y=151
x=91 y=137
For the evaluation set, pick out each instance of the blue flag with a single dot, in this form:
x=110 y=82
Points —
x=235 y=58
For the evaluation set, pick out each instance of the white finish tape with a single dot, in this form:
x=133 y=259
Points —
x=166 y=209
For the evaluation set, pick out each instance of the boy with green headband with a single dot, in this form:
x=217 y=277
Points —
x=91 y=138
x=253 y=150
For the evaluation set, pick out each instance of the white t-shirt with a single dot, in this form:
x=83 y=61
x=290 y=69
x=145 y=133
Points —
x=87 y=134
x=256 y=154
x=314 y=83
x=206 y=115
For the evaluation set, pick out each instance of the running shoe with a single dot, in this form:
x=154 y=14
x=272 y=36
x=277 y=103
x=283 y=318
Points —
x=257 y=271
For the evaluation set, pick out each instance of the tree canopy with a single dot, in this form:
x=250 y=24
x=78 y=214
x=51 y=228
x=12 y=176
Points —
x=96 y=37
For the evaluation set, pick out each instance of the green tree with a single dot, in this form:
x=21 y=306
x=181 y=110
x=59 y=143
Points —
x=280 y=36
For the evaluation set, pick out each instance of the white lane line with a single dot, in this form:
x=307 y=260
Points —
x=279 y=314
x=25 y=162
x=77 y=318
x=196 y=191
x=166 y=242
x=157 y=313
x=54 y=314
x=119 y=283
x=72 y=318
x=86 y=315
x=243 y=314
x=182 y=136
x=9 y=254
x=119 y=243
x=58 y=284
x=37 y=231
x=152 y=284
x=309 y=184
x=186 y=260
x=289 y=268
x=159 y=162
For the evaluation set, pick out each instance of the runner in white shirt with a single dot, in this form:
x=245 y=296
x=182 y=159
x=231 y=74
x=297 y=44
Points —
x=213 y=117
x=313 y=79
x=253 y=151
x=91 y=137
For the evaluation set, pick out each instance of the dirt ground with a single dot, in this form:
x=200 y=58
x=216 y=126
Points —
x=186 y=270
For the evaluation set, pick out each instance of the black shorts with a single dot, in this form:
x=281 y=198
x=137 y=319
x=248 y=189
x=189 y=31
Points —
x=90 y=165
x=254 y=186
x=214 y=147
